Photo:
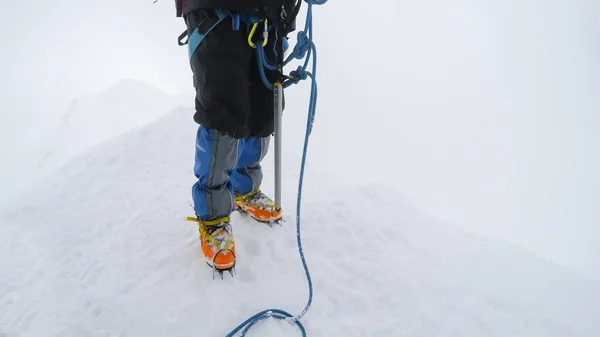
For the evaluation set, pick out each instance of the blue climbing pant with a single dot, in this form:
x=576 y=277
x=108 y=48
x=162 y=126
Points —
x=225 y=166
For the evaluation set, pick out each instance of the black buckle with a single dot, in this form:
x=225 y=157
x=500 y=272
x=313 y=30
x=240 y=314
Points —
x=184 y=34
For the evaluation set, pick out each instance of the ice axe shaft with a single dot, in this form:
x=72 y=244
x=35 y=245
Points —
x=278 y=100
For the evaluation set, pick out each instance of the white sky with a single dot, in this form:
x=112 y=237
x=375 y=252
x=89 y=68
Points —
x=485 y=113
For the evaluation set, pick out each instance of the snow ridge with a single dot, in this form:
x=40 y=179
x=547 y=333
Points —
x=102 y=248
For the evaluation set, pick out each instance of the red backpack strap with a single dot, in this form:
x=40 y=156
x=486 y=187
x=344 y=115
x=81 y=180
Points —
x=179 y=6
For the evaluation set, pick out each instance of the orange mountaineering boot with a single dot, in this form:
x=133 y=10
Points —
x=218 y=244
x=258 y=206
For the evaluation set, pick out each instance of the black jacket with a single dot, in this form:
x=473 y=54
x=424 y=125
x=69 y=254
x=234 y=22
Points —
x=262 y=8
x=252 y=7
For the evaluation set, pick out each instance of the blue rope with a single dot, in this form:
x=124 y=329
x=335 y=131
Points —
x=303 y=46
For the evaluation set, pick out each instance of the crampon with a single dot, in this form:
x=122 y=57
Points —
x=220 y=271
x=218 y=244
x=258 y=206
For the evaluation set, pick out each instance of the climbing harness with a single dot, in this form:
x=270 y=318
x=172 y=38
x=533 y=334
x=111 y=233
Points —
x=211 y=21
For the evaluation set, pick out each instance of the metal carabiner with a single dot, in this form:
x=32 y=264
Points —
x=265 y=34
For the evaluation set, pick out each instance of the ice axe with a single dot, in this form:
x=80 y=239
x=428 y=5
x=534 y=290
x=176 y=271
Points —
x=278 y=104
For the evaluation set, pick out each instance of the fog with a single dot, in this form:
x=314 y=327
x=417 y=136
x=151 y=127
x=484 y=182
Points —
x=482 y=113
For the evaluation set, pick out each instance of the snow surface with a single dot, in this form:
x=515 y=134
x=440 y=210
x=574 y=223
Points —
x=101 y=248
x=88 y=121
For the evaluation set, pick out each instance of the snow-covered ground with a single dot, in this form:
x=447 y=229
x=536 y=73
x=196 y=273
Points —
x=87 y=122
x=90 y=120
x=101 y=248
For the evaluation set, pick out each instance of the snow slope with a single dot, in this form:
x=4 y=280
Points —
x=88 y=121
x=100 y=248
